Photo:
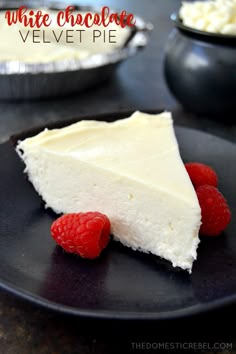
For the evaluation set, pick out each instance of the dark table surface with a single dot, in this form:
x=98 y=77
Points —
x=137 y=84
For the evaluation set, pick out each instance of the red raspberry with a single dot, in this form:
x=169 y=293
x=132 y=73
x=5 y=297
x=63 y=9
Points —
x=215 y=210
x=86 y=234
x=201 y=174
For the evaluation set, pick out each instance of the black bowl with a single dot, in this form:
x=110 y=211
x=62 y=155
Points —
x=200 y=70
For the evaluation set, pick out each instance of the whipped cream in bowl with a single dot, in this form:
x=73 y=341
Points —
x=199 y=65
x=212 y=17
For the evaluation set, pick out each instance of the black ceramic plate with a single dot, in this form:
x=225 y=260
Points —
x=122 y=283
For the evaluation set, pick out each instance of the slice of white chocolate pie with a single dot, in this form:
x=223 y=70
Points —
x=130 y=170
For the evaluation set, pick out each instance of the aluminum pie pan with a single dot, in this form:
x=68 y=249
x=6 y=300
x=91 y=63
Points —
x=25 y=81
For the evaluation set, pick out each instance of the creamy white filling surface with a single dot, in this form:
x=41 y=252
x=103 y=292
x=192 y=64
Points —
x=131 y=170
